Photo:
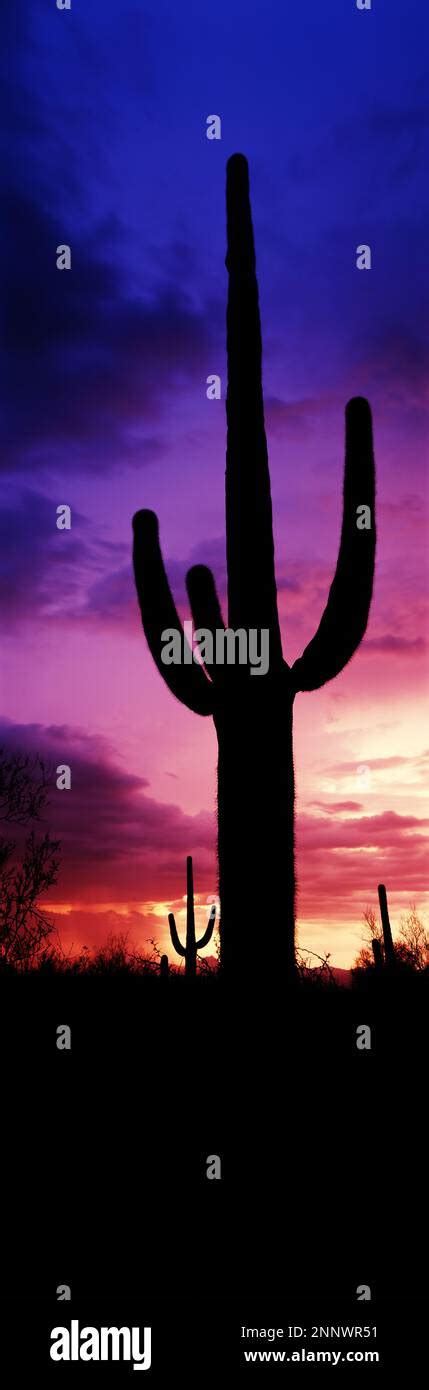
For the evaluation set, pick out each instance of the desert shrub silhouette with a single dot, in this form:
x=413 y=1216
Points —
x=253 y=714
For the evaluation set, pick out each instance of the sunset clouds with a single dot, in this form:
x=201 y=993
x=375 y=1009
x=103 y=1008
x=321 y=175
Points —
x=123 y=851
x=103 y=407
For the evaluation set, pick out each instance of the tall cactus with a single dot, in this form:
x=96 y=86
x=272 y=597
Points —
x=389 y=949
x=192 y=946
x=253 y=715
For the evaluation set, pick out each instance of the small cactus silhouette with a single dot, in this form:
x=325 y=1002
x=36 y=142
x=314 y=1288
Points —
x=192 y=946
x=163 y=967
x=253 y=716
x=389 y=949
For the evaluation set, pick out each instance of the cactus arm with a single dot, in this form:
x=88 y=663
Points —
x=186 y=679
x=205 y=606
x=206 y=610
x=252 y=594
x=204 y=940
x=346 y=614
x=181 y=950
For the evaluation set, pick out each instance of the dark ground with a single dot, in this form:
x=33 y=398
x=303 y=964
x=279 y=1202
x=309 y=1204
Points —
x=104 y=1147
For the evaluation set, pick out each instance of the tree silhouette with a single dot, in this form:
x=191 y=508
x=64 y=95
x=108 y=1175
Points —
x=371 y=953
x=253 y=714
x=26 y=870
x=24 y=783
x=412 y=947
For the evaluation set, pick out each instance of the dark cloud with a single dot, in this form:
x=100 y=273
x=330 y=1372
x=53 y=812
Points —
x=47 y=573
x=77 y=374
x=39 y=572
x=112 y=598
x=75 y=575
x=85 y=365
x=117 y=841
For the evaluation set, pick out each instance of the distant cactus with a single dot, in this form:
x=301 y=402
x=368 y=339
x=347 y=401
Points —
x=163 y=967
x=389 y=949
x=377 y=951
x=192 y=946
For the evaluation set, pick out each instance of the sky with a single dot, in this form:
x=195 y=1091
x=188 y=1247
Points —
x=104 y=408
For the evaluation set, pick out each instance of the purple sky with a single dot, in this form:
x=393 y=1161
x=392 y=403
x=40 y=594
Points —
x=104 y=408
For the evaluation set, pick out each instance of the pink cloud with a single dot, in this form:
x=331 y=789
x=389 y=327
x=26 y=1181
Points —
x=341 y=862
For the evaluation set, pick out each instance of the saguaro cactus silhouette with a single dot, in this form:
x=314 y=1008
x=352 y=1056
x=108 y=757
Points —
x=389 y=949
x=192 y=946
x=253 y=714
